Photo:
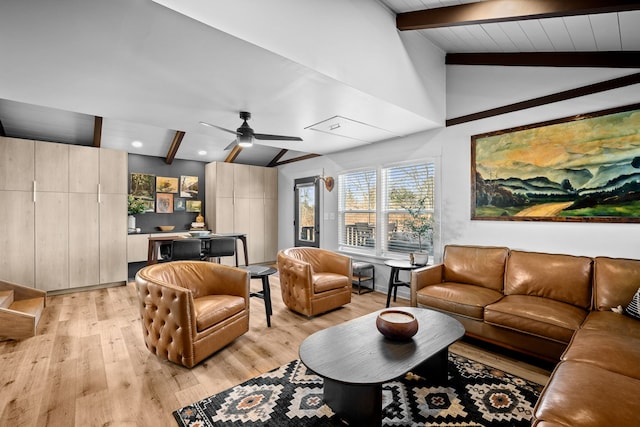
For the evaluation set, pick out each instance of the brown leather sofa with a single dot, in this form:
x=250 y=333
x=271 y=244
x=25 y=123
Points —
x=191 y=309
x=314 y=280
x=553 y=306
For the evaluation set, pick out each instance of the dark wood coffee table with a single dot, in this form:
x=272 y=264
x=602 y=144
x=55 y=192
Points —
x=355 y=360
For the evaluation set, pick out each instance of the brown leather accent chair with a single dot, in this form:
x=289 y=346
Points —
x=191 y=309
x=314 y=280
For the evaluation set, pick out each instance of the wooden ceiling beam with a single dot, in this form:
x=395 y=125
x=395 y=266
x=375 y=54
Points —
x=274 y=161
x=298 y=159
x=632 y=79
x=614 y=59
x=235 y=152
x=175 y=144
x=506 y=10
x=97 y=131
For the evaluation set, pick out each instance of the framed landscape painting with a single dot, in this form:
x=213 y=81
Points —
x=581 y=168
x=166 y=184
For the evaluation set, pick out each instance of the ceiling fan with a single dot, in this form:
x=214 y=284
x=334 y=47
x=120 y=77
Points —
x=245 y=135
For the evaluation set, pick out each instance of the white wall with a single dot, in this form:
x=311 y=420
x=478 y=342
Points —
x=496 y=86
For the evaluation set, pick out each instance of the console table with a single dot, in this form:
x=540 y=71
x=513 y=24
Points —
x=157 y=241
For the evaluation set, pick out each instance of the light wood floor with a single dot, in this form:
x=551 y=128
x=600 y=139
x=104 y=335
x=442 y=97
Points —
x=88 y=365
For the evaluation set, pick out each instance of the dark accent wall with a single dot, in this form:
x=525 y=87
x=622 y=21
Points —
x=149 y=222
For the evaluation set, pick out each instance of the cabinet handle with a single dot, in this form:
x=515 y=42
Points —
x=99 y=194
x=34 y=191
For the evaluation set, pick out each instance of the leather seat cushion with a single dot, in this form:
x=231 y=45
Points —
x=323 y=282
x=458 y=298
x=537 y=316
x=616 y=353
x=213 y=309
x=614 y=323
x=612 y=398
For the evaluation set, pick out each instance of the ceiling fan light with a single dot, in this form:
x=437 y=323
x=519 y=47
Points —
x=245 y=140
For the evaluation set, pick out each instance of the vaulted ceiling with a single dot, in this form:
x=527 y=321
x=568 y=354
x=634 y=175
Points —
x=109 y=73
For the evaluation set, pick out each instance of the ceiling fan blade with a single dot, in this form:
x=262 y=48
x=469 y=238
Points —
x=218 y=127
x=276 y=137
x=230 y=146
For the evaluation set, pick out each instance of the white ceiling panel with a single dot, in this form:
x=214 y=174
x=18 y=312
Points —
x=514 y=31
x=630 y=30
x=606 y=31
x=579 y=28
x=502 y=40
x=556 y=30
x=536 y=35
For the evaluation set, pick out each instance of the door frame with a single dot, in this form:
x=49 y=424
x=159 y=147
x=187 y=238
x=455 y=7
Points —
x=305 y=182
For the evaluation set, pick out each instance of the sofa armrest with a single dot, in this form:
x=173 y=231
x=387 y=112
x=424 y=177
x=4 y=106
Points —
x=164 y=335
x=423 y=277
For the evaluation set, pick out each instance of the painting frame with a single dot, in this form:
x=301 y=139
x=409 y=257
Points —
x=194 y=206
x=142 y=185
x=189 y=186
x=179 y=204
x=583 y=168
x=165 y=184
x=164 y=203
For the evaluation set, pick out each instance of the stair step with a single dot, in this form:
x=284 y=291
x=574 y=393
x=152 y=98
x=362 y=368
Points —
x=6 y=298
x=33 y=306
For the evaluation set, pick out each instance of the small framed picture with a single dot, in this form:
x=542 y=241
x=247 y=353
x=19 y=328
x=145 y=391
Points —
x=189 y=187
x=164 y=203
x=179 y=204
x=194 y=205
x=166 y=185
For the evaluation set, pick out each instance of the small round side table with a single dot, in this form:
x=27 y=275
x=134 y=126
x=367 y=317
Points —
x=397 y=266
x=262 y=272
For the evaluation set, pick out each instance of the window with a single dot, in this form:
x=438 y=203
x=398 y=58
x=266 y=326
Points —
x=403 y=220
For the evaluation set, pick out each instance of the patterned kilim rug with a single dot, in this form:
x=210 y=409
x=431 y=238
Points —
x=476 y=395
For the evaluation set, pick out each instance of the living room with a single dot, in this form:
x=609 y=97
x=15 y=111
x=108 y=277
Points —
x=464 y=90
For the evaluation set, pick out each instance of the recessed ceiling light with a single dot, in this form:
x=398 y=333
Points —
x=137 y=144
x=202 y=152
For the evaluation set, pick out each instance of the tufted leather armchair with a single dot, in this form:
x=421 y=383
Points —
x=191 y=309
x=314 y=280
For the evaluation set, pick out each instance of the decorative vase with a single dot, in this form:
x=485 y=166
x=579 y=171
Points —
x=131 y=223
x=419 y=258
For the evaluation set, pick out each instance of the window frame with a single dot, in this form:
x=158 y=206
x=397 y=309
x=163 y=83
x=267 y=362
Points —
x=380 y=249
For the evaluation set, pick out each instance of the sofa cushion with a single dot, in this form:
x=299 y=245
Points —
x=538 y=316
x=475 y=265
x=584 y=395
x=212 y=309
x=613 y=323
x=616 y=353
x=615 y=280
x=462 y=299
x=564 y=278
x=323 y=282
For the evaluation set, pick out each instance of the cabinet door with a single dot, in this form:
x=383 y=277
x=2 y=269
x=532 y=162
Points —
x=84 y=164
x=249 y=220
x=270 y=229
x=113 y=238
x=224 y=218
x=113 y=171
x=16 y=164
x=271 y=183
x=137 y=247
x=241 y=181
x=52 y=167
x=224 y=186
x=84 y=235
x=51 y=240
x=17 y=231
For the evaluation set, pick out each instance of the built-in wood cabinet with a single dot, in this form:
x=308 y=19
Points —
x=244 y=199
x=63 y=230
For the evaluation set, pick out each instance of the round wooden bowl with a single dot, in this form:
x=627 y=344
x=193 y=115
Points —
x=166 y=227
x=397 y=324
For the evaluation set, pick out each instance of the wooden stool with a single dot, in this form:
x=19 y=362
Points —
x=363 y=272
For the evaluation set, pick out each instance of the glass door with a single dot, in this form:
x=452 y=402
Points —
x=307 y=212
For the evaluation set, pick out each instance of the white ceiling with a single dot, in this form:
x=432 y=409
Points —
x=616 y=31
x=151 y=71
